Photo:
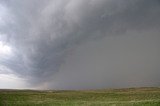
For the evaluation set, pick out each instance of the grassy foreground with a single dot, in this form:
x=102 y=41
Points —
x=110 y=97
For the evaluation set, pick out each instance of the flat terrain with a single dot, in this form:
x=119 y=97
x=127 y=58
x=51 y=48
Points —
x=105 y=97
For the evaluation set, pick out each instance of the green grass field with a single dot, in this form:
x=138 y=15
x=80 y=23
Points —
x=108 y=97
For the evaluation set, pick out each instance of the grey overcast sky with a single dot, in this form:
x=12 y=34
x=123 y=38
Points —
x=79 y=44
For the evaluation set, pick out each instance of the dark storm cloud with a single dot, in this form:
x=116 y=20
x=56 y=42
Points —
x=43 y=32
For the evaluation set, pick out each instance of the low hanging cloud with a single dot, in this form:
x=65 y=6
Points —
x=43 y=34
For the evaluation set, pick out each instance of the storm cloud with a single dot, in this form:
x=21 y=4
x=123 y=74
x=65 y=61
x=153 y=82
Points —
x=78 y=44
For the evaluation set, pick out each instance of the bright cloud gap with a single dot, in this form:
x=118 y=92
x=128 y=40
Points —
x=5 y=49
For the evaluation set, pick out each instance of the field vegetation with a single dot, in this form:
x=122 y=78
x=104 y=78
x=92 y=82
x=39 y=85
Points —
x=105 y=97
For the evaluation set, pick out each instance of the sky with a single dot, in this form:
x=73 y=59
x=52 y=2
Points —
x=79 y=44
